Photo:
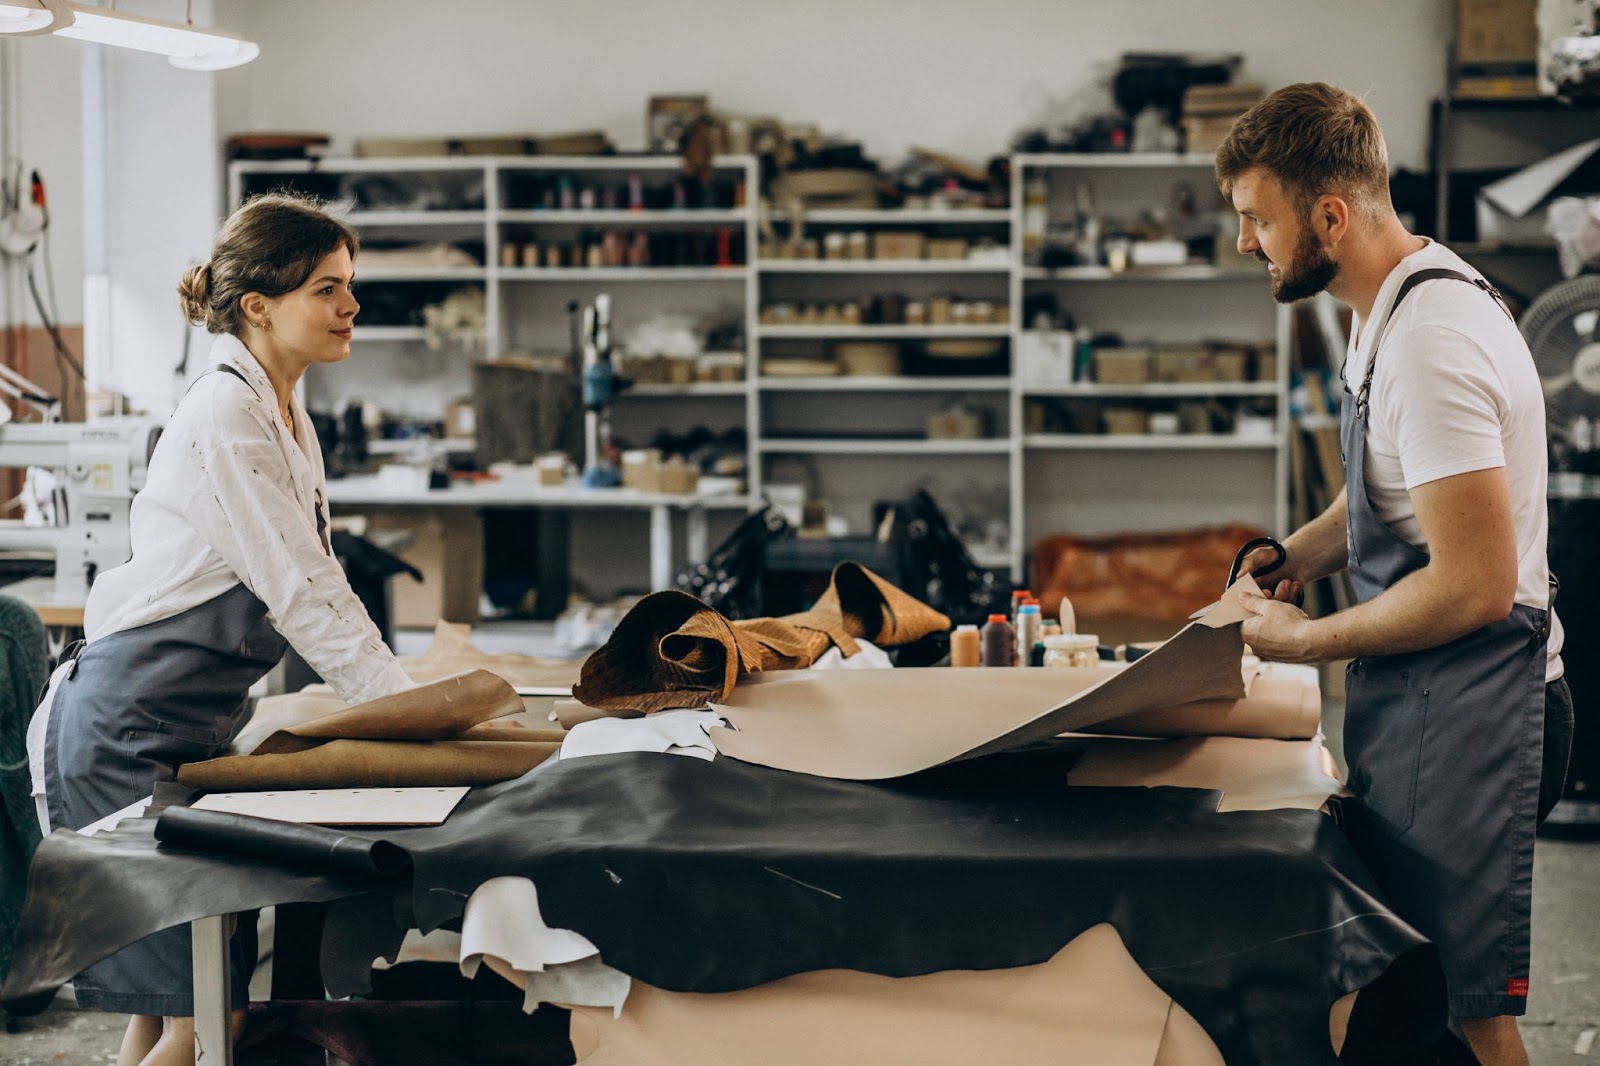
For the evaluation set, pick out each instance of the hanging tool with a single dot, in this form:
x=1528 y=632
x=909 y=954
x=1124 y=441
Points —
x=601 y=386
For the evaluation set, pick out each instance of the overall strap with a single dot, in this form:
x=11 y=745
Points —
x=1411 y=282
x=228 y=368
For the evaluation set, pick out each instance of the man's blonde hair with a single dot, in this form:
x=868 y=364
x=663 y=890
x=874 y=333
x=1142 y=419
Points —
x=1314 y=139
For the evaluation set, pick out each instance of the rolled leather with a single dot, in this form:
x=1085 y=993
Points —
x=285 y=842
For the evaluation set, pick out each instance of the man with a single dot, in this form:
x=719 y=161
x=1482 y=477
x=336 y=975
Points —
x=1442 y=526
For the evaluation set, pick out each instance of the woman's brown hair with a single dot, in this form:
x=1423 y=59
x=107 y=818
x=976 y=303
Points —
x=1313 y=139
x=270 y=245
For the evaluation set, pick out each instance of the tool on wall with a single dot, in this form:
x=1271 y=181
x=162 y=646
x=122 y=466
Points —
x=601 y=386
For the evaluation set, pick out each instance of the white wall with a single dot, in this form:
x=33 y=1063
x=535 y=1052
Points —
x=947 y=73
x=48 y=141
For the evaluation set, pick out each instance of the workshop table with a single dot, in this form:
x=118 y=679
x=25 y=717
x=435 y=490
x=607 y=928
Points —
x=1275 y=898
x=63 y=619
x=519 y=492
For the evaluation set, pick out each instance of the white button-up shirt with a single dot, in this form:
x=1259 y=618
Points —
x=231 y=496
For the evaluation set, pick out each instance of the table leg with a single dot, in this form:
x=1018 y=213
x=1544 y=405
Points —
x=698 y=535
x=660 y=547
x=213 y=1044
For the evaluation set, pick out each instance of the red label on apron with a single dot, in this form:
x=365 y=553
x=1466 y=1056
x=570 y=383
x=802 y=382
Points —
x=1517 y=986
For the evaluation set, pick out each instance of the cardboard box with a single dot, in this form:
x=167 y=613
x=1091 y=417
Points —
x=897 y=245
x=1513 y=208
x=1124 y=421
x=1185 y=365
x=1205 y=133
x=1121 y=366
x=1496 y=32
x=447 y=546
x=946 y=248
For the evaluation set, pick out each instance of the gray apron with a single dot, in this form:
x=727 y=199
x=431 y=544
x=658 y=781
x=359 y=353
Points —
x=136 y=705
x=1444 y=750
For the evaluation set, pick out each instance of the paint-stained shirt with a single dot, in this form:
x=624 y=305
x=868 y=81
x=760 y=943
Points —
x=232 y=496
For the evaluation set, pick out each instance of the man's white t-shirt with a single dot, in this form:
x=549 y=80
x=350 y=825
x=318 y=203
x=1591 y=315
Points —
x=1454 y=391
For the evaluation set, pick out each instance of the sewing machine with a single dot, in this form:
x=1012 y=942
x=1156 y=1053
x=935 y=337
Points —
x=83 y=519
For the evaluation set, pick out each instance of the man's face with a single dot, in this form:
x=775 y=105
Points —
x=1271 y=230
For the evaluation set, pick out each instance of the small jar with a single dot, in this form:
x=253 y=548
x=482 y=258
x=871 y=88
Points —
x=1075 y=650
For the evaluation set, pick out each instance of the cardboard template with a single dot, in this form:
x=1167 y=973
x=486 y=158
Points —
x=1252 y=774
x=875 y=724
x=1089 y=1003
x=341 y=806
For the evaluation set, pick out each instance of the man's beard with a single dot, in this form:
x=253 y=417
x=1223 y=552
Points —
x=1314 y=269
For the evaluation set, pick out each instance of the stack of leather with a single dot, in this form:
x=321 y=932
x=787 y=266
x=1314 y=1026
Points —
x=435 y=735
x=672 y=650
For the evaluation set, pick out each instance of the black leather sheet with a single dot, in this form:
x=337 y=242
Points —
x=700 y=876
x=280 y=842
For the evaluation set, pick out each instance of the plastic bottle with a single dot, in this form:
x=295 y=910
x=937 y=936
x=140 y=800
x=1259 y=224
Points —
x=964 y=647
x=1027 y=632
x=999 y=641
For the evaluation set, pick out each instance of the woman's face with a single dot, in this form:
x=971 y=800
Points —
x=313 y=322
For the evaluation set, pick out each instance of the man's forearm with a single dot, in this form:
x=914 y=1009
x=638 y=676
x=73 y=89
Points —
x=1319 y=548
x=1422 y=610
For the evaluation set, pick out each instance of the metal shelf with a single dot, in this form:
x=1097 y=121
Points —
x=416 y=218
x=387 y=333
x=684 y=216
x=1178 y=442
x=883 y=332
x=892 y=216
x=879 y=446
x=1113 y=159
x=1157 y=389
x=697 y=388
x=734 y=273
x=884 y=384
x=1187 y=272
x=880 y=266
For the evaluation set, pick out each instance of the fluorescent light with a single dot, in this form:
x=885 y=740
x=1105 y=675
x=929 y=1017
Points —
x=186 y=45
x=22 y=17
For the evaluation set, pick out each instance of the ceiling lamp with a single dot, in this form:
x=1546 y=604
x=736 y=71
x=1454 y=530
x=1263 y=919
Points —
x=19 y=18
x=183 y=43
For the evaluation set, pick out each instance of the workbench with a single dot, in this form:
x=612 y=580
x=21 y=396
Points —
x=713 y=876
x=525 y=492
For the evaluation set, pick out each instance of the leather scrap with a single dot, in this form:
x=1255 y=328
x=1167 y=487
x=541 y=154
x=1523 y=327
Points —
x=672 y=650
x=447 y=732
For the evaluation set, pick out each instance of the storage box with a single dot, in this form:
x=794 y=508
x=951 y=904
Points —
x=1121 y=366
x=1185 y=365
x=1204 y=133
x=1123 y=421
x=1496 y=32
x=946 y=248
x=897 y=245
x=955 y=425
x=447 y=546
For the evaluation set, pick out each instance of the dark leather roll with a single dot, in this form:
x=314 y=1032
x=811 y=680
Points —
x=287 y=842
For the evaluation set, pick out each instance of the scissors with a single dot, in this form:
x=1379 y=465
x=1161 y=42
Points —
x=1250 y=546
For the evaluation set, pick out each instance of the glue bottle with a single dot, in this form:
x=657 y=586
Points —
x=999 y=641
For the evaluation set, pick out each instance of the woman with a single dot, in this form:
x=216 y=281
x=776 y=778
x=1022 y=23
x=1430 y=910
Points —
x=231 y=564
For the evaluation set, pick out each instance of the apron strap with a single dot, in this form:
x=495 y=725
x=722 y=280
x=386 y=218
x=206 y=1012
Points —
x=1411 y=282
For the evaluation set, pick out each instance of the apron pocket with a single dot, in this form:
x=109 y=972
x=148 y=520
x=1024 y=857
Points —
x=1386 y=713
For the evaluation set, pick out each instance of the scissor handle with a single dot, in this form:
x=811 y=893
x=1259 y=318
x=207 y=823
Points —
x=1250 y=546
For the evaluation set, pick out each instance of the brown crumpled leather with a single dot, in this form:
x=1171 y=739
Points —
x=446 y=732
x=672 y=650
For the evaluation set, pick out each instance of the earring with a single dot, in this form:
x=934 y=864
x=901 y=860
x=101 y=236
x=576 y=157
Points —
x=266 y=325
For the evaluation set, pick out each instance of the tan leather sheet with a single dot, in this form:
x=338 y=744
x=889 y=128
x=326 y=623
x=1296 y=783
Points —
x=1279 y=703
x=453 y=731
x=1252 y=774
x=370 y=764
x=876 y=724
x=1090 y=1003
x=671 y=650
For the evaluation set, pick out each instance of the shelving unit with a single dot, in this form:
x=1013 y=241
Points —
x=855 y=439
x=1096 y=484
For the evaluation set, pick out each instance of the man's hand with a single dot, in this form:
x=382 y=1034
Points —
x=1276 y=630
x=1282 y=584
